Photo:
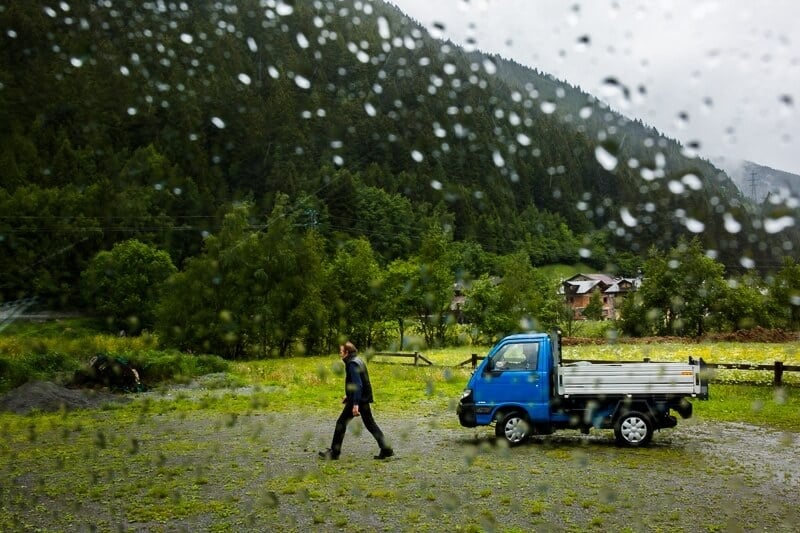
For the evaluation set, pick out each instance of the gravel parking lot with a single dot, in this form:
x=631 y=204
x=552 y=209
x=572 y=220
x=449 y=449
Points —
x=259 y=471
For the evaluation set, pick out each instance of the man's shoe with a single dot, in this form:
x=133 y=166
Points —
x=328 y=455
x=385 y=453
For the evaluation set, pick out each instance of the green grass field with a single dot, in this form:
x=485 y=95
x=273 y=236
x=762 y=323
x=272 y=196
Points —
x=238 y=453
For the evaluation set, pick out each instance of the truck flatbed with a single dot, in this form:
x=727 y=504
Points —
x=583 y=378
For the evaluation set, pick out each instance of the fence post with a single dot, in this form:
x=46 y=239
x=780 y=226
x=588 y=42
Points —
x=474 y=360
x=778 y=381
x=416 y=356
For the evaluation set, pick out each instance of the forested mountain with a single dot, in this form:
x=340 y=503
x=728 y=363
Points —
x=151 y=119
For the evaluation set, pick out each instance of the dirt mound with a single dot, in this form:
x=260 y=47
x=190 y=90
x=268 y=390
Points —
x=48 y=397
x=757 y=334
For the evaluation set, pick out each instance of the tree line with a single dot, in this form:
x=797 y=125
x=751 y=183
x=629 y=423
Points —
x=278 y=287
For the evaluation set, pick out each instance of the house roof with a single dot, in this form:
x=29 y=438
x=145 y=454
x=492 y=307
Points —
x=586 y=283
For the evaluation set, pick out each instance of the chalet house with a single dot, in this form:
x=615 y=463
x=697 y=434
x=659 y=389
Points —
x=579 y=288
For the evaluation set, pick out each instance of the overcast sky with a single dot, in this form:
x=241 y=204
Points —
x=724 y=74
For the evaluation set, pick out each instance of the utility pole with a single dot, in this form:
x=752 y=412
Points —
x=753 y=185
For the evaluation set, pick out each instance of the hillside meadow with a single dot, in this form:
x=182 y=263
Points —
x=55 y=351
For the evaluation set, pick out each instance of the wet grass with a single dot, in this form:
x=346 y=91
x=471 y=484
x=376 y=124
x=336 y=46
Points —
x=224 y=458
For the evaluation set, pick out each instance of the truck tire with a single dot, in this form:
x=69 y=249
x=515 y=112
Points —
x=633 y=429
x=514 y=428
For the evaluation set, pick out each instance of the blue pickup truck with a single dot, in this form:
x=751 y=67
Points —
x=524 y=388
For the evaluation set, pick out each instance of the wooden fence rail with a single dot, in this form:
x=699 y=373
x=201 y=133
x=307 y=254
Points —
x=777 y=368
x=416 y=355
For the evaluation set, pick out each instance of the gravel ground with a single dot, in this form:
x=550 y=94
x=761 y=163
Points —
x=259 y=471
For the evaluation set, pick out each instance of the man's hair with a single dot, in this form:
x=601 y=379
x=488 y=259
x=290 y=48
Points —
x=350 y=348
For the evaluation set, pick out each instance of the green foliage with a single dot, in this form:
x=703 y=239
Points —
x=165 y=367
x=355 y=281
x=251 y=292
x=124 y=284
x=594 y=309
x=785 y=290
x=678 y=292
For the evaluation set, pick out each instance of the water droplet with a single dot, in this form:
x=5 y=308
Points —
x=523 y=139
x=499 y=162
x=132 y=111
x=417 y=156
x=186 y=38
x=124 y=70
x=76 y=62
x=627 y=218
x=370 y=109
x=218 y=122
x=682 y=120
x=694 y=225
x=547 y=107
x=606 y=159
x=244 y=78
x=12 y=34
x=50 y=12
x=338 y=160
x=284 y=9
x=489 y=66
x=747 y=262
x=611 y=86
x=383 y=28
x=676 y=187
x=776 y=225
x=273 y=72
x=251 y=44
x=583 y=42
x=302 y=82
x=692 y=181
x=436 y=184
x=731 y=224
x=585 y=112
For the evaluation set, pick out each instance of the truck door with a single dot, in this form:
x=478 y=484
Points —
x=512 y=376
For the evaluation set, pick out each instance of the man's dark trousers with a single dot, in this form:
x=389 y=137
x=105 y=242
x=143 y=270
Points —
x=345 y=418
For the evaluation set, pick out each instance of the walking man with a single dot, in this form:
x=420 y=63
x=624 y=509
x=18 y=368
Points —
x=358 y=396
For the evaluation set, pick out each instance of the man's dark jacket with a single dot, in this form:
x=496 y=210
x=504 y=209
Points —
x=357 y=387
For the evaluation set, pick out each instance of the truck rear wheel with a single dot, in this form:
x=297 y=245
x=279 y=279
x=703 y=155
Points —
x=633 y=429
x=514 y=428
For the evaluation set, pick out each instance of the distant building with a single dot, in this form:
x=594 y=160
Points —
x=578 y=290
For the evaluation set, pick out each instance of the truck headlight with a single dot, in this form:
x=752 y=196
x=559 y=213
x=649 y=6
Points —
x=466 y=394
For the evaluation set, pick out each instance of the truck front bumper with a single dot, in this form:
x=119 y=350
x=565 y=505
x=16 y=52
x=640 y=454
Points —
x=466 y=414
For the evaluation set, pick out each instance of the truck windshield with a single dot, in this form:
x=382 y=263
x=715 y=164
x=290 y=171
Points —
x=521 y=356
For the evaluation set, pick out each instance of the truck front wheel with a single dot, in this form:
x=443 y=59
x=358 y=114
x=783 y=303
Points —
x=633 y=429
x=514 y=428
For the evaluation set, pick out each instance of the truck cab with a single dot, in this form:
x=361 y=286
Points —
x=523 y=388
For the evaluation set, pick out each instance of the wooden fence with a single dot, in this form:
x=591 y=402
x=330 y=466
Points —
x=777 y=368
x=415 y=355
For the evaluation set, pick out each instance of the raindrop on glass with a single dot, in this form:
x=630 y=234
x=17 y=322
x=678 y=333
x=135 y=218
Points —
x=548 y=108
x=606 y=159
x=302 y=82
x=695 y=226
x=731 y=224
x=627 y=218
x=499 y=162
